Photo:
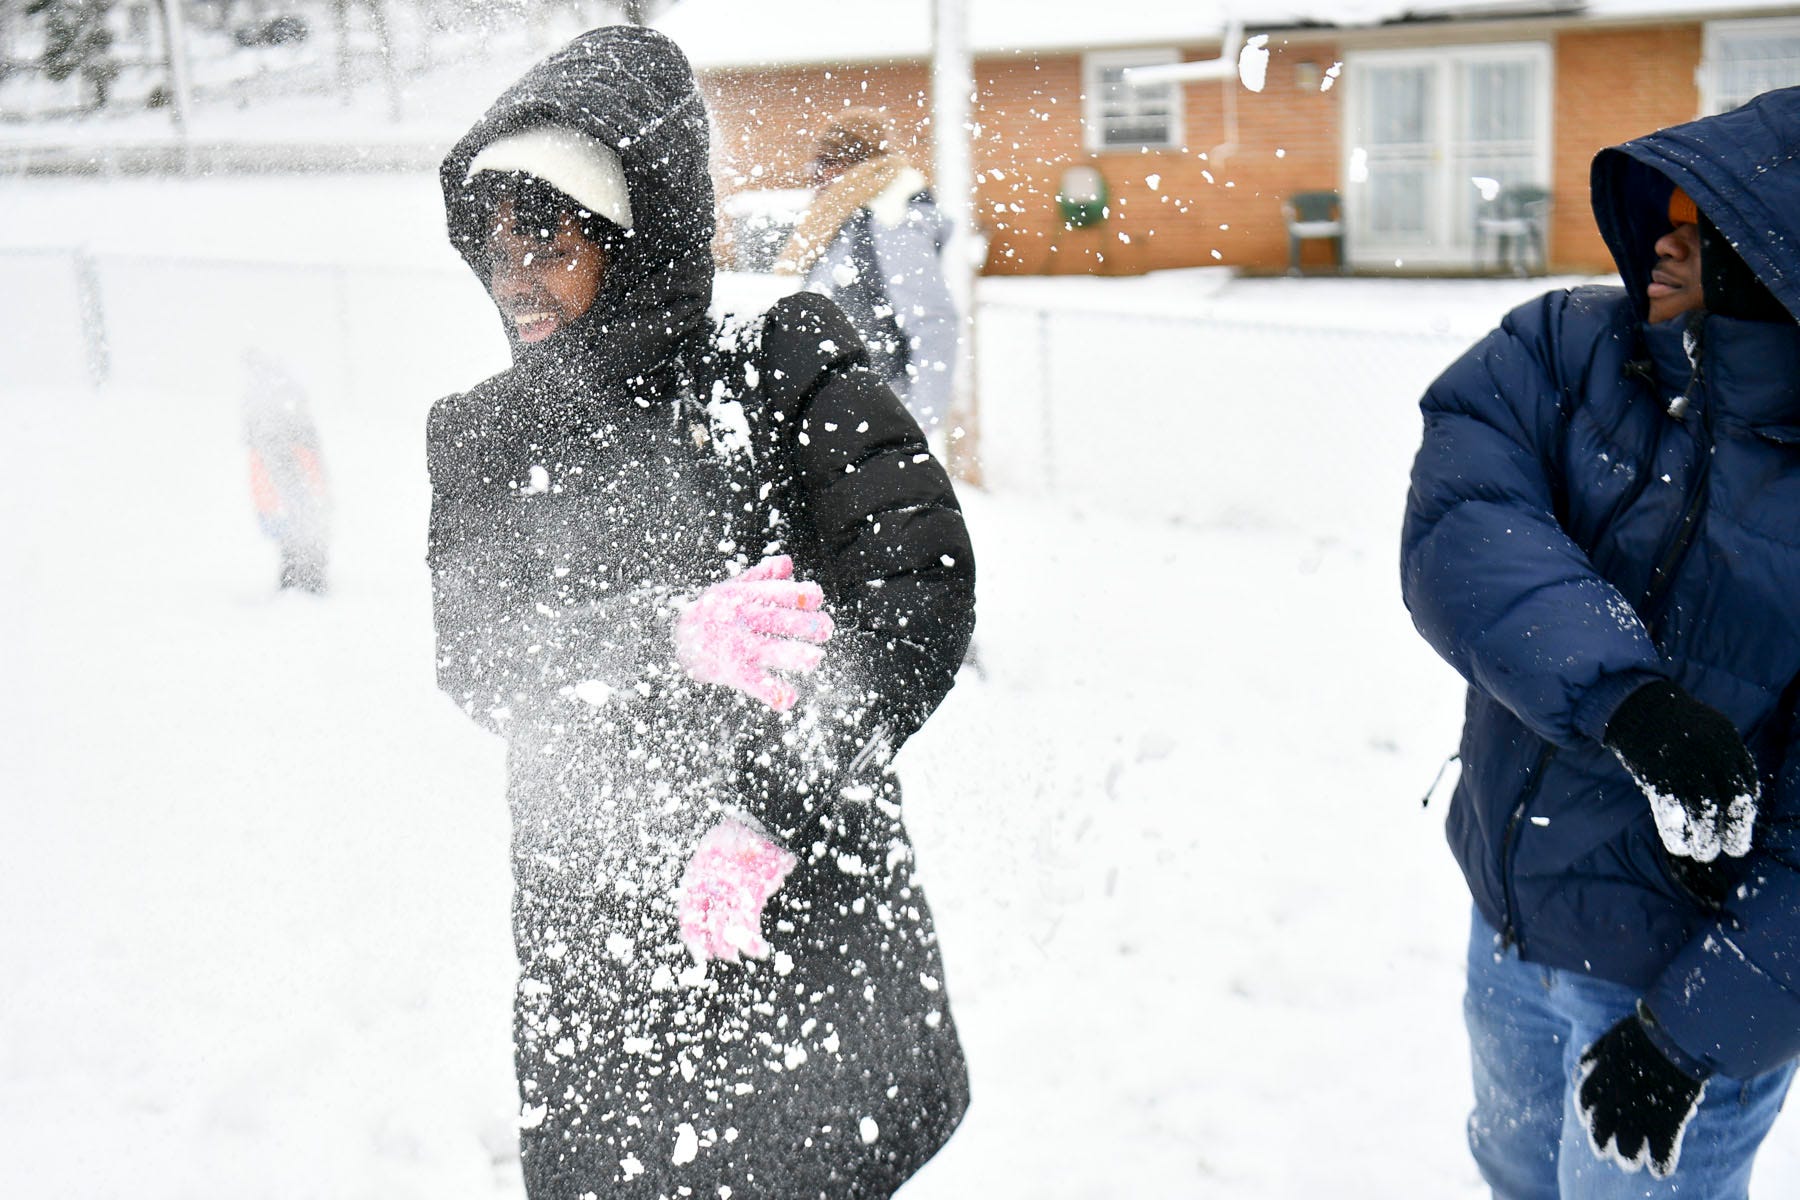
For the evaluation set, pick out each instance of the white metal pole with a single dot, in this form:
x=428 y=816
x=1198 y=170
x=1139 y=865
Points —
x=175 y=33
x=952 y=93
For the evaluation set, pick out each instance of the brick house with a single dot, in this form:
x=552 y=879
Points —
x=1414 y=114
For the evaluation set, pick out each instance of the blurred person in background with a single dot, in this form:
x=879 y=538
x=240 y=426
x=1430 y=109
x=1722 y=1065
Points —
x=873 y=241
x=1603 y=537
x=287 y=472
x=704 y=579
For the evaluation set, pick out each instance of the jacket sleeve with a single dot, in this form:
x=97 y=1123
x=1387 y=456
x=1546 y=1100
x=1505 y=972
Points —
x=1490 y=577
x=882 y=520
x=923 y=310
x=1731 y=996
x=515 y=637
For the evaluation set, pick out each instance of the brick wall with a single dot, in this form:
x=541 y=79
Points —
x=766 y=123
x=1209 y=204
x=1610 y=87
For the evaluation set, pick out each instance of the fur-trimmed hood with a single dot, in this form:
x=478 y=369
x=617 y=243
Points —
x=884 y=185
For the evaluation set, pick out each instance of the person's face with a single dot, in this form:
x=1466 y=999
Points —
x=1675 y=285
x=541 y=284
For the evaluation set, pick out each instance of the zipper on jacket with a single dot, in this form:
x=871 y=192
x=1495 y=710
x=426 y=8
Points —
x=1669 y=565
x=1660 y=580
x=1509 y=931
x=1666 y=570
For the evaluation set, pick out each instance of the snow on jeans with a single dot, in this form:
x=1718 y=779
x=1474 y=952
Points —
x=1528 y=1024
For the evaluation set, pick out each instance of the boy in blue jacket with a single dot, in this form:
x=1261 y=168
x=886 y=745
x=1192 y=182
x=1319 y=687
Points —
x=1603 y=537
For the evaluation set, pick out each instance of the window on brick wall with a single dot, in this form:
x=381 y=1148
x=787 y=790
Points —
x=1741 y=59
x=1118 y=116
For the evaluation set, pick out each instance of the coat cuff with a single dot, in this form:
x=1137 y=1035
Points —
x=1596 y=709
x=1693 y=1067
x=1714 y=1005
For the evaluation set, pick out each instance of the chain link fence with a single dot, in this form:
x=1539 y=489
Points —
x=1135 y=412
x=373 y=335
x=1148 y=415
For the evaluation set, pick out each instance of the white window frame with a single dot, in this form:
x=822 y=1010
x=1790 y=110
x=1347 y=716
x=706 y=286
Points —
x=1438 y=249
x=1092 y=91
x=1714 y=35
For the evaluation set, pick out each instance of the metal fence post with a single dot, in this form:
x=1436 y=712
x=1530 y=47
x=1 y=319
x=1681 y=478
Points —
x=340 y=277
x=1047 y=421
x=93 y=318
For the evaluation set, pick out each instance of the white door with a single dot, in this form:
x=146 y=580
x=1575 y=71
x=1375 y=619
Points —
x=1432 y=134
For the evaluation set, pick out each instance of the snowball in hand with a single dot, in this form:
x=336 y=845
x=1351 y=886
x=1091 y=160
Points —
x=1691 y=764
x=1696 y=830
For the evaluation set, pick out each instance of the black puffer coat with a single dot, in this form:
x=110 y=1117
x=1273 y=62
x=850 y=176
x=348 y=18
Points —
x=630 y=460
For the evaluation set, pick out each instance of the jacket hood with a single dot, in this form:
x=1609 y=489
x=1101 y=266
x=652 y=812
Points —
x=631 y=90
x=1742 y=169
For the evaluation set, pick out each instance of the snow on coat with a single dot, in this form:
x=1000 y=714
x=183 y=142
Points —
x=632 y=459
x=1568 y=539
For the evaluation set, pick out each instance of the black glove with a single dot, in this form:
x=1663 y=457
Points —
x=1634 y=1103
x=1691 y=763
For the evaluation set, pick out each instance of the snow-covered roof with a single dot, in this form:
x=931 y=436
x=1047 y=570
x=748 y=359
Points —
x=744 y=33
x=728 y=33
x=1688 y=8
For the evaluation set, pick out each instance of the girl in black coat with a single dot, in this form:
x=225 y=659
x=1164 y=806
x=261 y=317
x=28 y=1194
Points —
x=682 y=744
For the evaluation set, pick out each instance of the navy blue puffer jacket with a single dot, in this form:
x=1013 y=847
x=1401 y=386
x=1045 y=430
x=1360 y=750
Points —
x=1568 y=540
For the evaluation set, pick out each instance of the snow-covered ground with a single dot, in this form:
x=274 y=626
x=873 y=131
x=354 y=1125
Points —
x=1201 y=938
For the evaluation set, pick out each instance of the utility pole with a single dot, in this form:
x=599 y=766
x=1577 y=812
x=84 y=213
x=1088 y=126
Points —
x=952 y=93
x=174 y=23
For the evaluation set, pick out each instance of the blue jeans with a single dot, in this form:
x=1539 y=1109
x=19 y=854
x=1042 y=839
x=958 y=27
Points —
x=1528 y=1025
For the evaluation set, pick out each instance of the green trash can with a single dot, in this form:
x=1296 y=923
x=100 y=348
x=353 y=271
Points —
x=1082 y=198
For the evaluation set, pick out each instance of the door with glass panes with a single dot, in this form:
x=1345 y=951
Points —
x=1431 y=139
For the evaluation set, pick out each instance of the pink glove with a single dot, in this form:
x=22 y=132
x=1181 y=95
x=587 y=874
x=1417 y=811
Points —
x=731 y=876
x=737 y=632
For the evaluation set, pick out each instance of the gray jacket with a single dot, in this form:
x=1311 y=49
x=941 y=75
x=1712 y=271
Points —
x=907 y=231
